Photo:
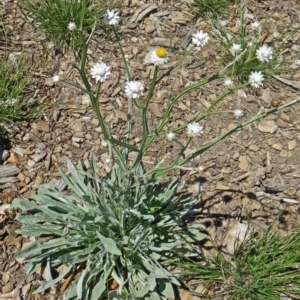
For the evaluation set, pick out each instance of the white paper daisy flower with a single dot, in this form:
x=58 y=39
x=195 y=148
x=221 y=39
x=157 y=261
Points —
x=100 y=71
x=200 y=38
x=170 y=136
x=194 y=129
x=72 y=26
x=238 y=113
x=56 y=78
x=235 y=49
x=111 y=17
x=228 y=82
x=264 y=53
x=157 y=56
x=133 y=89
x=255 y=25
x=256 y=79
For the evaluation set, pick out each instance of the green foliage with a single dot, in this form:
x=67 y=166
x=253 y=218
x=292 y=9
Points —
x=241 y=64
x=55 y=15
x=15 y=103
x=122 y=227
x=263 y=267
x=213 y=7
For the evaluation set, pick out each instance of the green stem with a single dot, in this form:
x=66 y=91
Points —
x=147 y=143
x=123 y=54
x=144 y=118
x=159 y=172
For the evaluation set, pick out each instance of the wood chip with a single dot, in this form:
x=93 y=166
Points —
x=163 y=42
x=142 y=12
x=267 y=126
x=292 y=144
x=244 y=164
x=8 y=170
x=42 y=126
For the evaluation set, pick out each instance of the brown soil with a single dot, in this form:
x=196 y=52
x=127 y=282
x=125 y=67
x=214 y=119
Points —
x=251 y=173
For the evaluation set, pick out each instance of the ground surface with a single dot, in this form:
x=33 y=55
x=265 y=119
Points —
x=251 y=173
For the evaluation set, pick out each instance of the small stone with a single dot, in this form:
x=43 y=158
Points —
x=49 y=82
x=285 y=117
x=30 y=163
x=4 y=154
x=21 y=177
x=7 y=288
x=5 y=278
x=38 y=156
x=254 y=148
x=149 y=28
x=244 y=164
x=292 y=144
x=42 y=126
x=56 y=115
x=277 y=146
x=95 y=122
x=267 y=126
x=283 y=153
x=77 y=139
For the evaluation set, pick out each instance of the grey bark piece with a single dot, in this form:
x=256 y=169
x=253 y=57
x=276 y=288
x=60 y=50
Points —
x=163 y=42
x=142 y=12
x=8 y=170
x=38 y=156
x=59 y=184
x=187 y=39
x=8 y=180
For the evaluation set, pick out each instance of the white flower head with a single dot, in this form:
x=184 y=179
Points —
x=200 y=38
x=170 y=135
x=194 y=129
x=157 y=56
x=133 y=89
x=264 y=53
x=100 y=71
x=111 y=17
x=107 y=160
x=228 y=82
x=235 y=48
x=256 y=79
x=56 y=78
x=72 y=26
x=238 y=113
x=255 y=25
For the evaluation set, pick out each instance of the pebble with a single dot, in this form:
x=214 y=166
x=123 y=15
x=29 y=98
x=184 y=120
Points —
x=7 y=288
x=42 y=126
x=38 y=156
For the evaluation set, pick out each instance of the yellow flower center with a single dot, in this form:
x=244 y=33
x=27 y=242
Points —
x=161 y=52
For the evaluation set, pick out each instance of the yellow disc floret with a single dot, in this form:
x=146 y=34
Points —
x=161 y=52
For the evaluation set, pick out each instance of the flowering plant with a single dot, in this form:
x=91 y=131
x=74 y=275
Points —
x=122 y=228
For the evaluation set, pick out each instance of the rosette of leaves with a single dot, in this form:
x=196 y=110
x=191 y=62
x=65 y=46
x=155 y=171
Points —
x=113 y=234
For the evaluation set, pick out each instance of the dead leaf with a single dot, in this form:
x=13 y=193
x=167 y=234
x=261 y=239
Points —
x=13 y=159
